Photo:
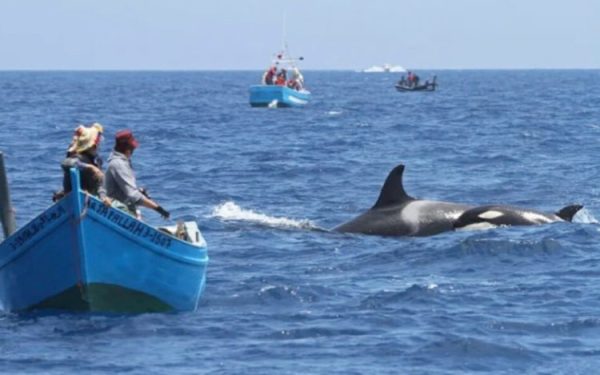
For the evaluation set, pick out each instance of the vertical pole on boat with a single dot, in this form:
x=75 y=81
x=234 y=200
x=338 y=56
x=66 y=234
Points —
x=7 y=214
x=77 y=206
x=77 y=203
x=284 y=36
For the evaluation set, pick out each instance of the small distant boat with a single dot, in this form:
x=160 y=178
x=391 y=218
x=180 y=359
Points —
x=385 y=68
x=276 y=89
x=282 y=84
x=427 y=86
x=83 y=256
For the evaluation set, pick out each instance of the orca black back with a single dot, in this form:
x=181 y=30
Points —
x=393 y=191
x=567 y=213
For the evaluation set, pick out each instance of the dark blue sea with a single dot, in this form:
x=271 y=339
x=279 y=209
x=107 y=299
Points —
x=284 y=297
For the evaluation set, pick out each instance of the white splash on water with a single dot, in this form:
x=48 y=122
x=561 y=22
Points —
x=267 y=288
x=229 y=211
x=584 y=216
x=334 y=113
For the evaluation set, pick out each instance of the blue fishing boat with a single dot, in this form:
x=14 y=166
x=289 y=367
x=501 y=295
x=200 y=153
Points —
x=282 y=83
x=277 y=96
x=82 y=255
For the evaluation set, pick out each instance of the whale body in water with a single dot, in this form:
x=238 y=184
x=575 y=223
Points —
x=498 y=215
x=397 y=214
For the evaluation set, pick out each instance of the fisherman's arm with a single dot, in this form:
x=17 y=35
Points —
x=125 y=180
x=73 y=162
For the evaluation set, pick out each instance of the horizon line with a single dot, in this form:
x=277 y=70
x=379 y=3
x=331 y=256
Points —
x=255 y=70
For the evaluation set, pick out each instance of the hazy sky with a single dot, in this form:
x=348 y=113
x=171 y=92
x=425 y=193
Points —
x=330 y=34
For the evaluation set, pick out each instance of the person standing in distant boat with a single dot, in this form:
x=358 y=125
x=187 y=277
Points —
x=83 y=155
x=297 y=81
x=120 y=180
x=269 y=76
x=281 y=78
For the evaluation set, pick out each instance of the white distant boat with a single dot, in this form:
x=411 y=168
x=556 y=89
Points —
x=385 y=68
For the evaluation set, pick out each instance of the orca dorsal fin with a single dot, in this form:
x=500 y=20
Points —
x=392 y=191
x=567 y=213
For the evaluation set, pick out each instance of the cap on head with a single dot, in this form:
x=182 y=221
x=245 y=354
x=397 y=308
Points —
x=124 y=140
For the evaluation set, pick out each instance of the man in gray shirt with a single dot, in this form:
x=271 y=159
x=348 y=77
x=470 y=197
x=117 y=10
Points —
x=119 y=179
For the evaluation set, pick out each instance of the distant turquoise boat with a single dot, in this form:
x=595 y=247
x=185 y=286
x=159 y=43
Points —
x=282 y=84
x=277 y=96
x=81 y=255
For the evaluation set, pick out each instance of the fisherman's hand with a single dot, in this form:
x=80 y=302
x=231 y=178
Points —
x=107 y=201
x=164 y=213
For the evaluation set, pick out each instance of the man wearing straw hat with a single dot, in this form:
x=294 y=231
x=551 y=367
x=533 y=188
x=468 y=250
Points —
x=83 y=155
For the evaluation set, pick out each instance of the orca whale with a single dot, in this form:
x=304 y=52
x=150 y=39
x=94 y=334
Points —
x=397 y=214
x=491 y=216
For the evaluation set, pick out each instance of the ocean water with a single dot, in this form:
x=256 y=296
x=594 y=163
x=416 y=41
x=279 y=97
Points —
x=284 y=296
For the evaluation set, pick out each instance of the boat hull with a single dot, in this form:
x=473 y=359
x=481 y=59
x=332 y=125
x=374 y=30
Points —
x=81 y=255
x=427 y=87
x=277 y=96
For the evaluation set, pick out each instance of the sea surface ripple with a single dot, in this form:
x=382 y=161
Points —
x=285 y=296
